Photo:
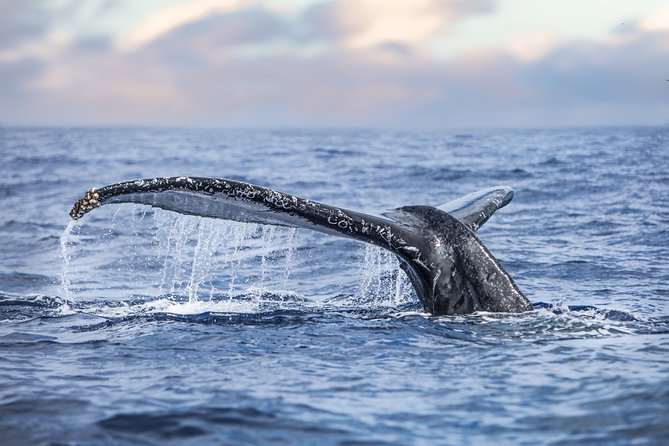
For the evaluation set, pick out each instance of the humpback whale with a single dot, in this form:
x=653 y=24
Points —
x=450 y=269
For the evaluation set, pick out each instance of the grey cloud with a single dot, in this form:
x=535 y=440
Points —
x=462 y=8
x=16 y=104
x=577 y=84
x=97 y=45
x=21 y=20
x=223 y=30
x=397 y=49
x=605 y=73
x=322 y=22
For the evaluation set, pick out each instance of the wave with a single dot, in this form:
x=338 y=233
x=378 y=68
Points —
x=547 y=322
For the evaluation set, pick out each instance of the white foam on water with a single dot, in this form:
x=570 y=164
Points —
x=167 y=305
x=199 y=307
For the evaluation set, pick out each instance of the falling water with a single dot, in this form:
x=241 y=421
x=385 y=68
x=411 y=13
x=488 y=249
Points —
x=382 y=282
x=237 y=234
x=207 y=259
x=202 y=253
x=205 y=249
x=288 y=259
x=65 y=256
x=172 y=236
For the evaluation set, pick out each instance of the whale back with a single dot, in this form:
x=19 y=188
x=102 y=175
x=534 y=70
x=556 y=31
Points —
x=450 y=269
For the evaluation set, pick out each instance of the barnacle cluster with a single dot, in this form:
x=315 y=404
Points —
x=89 y=202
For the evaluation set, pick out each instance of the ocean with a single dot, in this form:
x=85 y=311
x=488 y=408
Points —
x=141 y=326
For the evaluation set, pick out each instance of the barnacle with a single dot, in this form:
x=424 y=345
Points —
x=89 y=202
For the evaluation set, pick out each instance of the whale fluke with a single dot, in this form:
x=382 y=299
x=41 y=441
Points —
x=449 y=267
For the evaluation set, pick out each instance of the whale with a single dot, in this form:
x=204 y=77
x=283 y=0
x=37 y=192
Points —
x=450 y=269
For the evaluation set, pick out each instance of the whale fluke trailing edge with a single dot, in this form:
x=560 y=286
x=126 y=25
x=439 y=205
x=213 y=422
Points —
x=448 y=266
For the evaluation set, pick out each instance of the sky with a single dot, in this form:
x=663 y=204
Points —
x=342 y=63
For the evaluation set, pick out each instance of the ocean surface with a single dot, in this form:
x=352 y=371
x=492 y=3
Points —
x=142 y=326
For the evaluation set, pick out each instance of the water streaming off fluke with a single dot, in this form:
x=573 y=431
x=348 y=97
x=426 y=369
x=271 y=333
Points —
x=205 y=260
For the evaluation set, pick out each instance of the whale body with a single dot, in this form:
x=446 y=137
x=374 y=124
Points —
x=450 y=269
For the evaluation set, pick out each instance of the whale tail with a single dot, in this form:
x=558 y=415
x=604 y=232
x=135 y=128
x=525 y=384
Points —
x=450 y=269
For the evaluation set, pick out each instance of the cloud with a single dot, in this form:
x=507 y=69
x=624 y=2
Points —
x=221 y=34
x=49 y=46
x=19 y=20
x=658 y=21
x=167 y=19
x=361 y=24
x=532 y=47
x=252 y=65
x=566 y=83
x=12 y=92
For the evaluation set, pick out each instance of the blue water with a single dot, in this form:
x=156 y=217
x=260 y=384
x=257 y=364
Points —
x=141 y=326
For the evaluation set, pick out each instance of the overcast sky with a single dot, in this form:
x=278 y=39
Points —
x=362 y=63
